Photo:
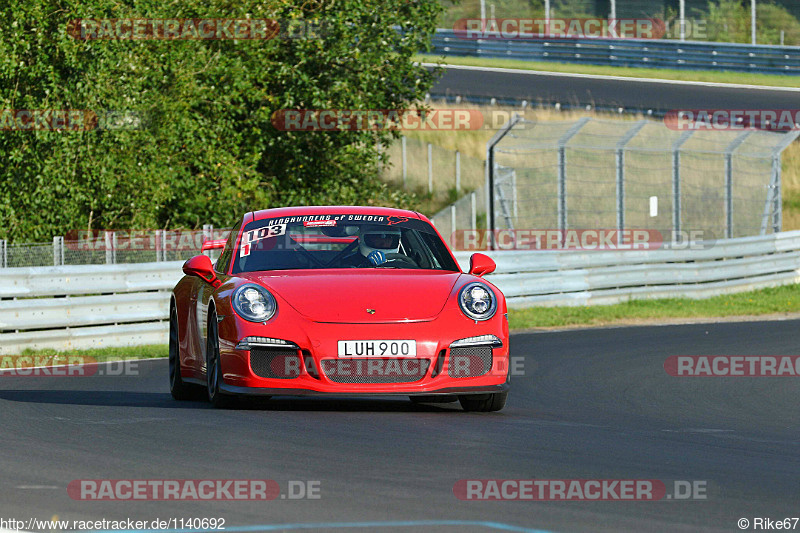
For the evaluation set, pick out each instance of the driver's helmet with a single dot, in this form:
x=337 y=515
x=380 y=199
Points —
x=378 y=238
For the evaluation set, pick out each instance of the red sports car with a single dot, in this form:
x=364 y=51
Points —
x=338 y=301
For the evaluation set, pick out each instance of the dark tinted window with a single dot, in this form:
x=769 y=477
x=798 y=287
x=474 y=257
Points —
x=340 y=241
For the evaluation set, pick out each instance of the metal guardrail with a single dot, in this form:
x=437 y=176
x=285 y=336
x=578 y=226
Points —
x=549 y=278
x=76 y=307
x=689 y=55
x=89 y=306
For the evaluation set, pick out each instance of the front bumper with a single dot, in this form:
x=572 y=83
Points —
x=315 y=345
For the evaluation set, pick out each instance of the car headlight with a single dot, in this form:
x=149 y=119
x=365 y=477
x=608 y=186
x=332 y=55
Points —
x=477 y=301
x=254 y=303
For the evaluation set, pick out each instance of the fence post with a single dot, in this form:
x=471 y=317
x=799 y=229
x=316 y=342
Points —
x=58 y=251
x=473 y=205
x=676 y=183
x=774 y=193
x=729 y=181
x=490 y=168
x=451 y=240
x=620 y=164
x=158 y=244
x=458 y=171
x=208 y=234
x=405 y=166
x=108 y=244
x=430 y=168
x=3 y=254
x=562 y=171
x=777 y=206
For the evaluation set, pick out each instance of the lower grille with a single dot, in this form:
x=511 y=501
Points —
x=275 y=363
x=407 y=370
x=469 y=361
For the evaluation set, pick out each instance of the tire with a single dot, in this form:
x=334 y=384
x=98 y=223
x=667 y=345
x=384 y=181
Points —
x=177 y=387
x=214 y=366
x=433 y=398
x=483 y=403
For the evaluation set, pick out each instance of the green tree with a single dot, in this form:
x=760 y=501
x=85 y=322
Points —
x=206 y=150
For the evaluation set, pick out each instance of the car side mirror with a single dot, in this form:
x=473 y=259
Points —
x=200 y=266
x=481 y=264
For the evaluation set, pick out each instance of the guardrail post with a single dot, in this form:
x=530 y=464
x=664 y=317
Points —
x=676 y=183
x=620 y=166
x=737 y=142
x=562 y=171
x=3 y=254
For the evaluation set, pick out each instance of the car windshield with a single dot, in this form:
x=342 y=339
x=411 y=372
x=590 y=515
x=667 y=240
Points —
x=341 y=241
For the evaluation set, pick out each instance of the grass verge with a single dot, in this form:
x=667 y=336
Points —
x=109 y=353
x=777 y=300
x=744 y=78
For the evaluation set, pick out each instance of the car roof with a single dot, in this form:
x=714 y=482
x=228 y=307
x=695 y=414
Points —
x=329 y=210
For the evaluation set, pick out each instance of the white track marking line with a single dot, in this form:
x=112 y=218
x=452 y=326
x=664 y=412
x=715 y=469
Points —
x=617 y=78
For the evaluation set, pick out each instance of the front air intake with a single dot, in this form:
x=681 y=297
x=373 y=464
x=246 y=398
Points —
x=275 y=363
x=469 y=361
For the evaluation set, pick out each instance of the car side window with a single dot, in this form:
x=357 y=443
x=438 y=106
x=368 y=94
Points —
x=224 y=260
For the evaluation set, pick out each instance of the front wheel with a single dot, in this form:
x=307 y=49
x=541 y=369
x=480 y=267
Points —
x=483 y=403
x=214 y=365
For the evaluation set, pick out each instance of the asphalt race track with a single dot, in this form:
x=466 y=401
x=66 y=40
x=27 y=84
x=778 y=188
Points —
x=593 y=404
x=576 y=90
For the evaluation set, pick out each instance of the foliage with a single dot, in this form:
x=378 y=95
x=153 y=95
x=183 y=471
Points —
x=207 y=150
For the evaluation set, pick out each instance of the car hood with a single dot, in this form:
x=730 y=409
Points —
x=339 y=296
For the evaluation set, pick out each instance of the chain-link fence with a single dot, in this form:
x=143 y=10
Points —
x=431 y=170
x=625 y=175
x=111 y=247
x=702 y=23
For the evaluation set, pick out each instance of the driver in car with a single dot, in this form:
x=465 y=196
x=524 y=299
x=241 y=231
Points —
x=376 y=245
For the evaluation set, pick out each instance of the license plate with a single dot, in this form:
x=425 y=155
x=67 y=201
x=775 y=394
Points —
x=378 y=348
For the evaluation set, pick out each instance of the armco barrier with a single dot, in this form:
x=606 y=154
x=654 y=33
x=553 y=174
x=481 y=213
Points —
x=691 y=55
x=75 y=307
x=89 y=306
x=551 y=278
